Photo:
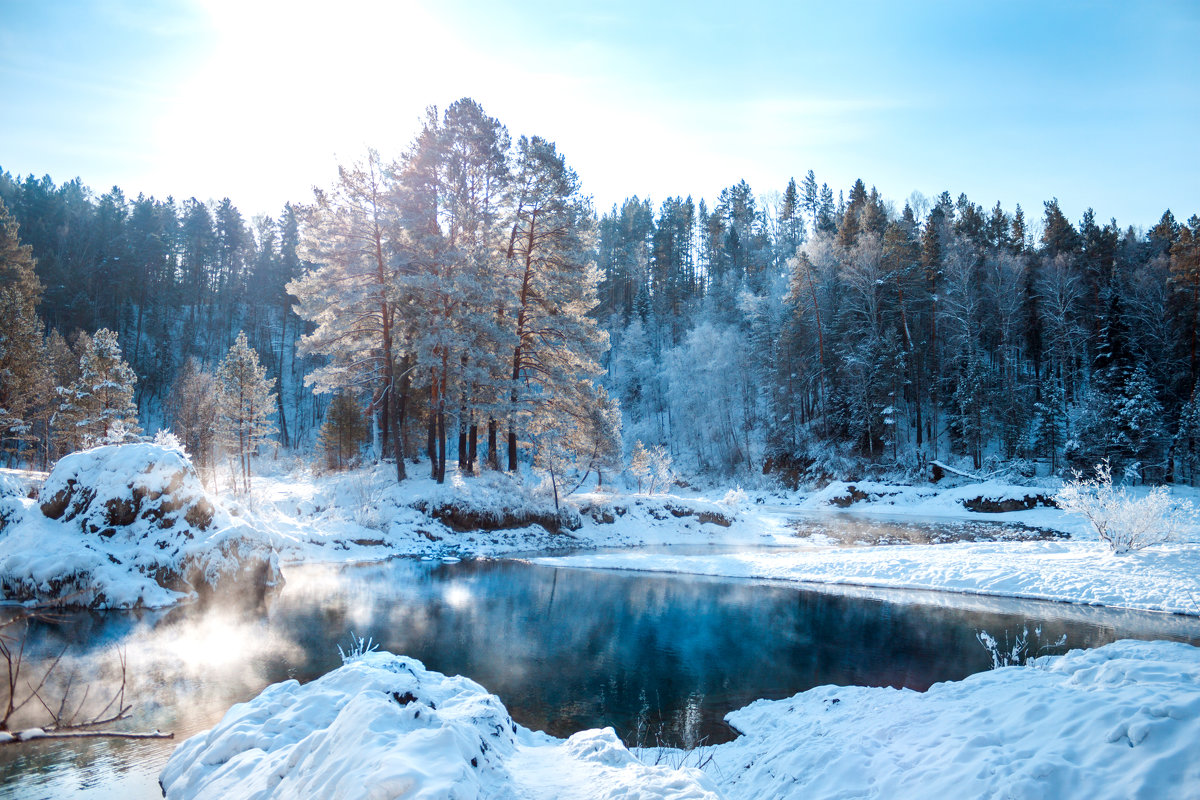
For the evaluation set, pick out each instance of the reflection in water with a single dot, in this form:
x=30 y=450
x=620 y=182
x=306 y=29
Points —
x=660 y=658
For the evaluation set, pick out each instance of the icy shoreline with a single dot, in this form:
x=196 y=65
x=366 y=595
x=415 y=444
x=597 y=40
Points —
x=758 y=534
x=365 y=515
x=1118 y=721
x=1162 y=579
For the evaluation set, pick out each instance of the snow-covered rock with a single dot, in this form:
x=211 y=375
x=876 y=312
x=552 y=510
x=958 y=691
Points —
x=128 y=525
x=1120 y=721
x=382 y=726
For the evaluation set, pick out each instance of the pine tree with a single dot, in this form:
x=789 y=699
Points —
x=245 y=407
x=1050 y=424
x=344 y=432
x=20 y=338
x=1187 y=437
x=351 y=296
x=557 y=343
x=101 y=400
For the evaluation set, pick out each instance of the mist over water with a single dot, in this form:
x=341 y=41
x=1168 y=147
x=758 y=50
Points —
x=659 y=658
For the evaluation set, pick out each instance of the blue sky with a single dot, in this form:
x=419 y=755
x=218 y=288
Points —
x=1094 y=103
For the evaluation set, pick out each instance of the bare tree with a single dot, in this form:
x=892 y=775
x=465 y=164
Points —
x=62 y=712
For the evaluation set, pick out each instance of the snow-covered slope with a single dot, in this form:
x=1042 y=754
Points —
x=383 y=726
x=128 y=525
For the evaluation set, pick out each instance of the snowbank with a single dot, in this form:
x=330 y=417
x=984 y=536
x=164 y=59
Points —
x=129 y=525
x=365 y=515
x=1163 y=578
x=383 y=726
x=1120 y=721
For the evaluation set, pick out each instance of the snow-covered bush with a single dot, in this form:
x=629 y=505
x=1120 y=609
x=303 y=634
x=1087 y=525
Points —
x=1122 y=520
x=368 y=495
x=359 y=646
x=1021 y=651
x=734 y=499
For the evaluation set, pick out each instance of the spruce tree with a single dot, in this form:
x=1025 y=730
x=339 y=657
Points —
x=100 y=403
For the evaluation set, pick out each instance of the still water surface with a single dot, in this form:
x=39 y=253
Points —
x=659 y=658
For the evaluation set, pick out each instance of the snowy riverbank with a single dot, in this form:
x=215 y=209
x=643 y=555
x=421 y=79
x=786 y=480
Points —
x=1163 y=578
x=843 y=534
x=1120 y=721
x=366 y=516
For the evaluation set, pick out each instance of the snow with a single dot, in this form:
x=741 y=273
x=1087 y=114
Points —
x=382 y=726
x=364 y=515
x=124 y=526
x=1156 y=579
x=1120 y=721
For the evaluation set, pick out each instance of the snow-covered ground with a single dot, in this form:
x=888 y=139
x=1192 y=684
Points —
x=364 y=515
x=751 y=536
x=1120 y=721
x=1165 y=578
x=383 y=726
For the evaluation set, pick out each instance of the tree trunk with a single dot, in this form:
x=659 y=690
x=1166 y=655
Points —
x=397 y=440
x=463 y=458
x=492 y=446
x=512 y=448
x=472 y=447
x=441 y=443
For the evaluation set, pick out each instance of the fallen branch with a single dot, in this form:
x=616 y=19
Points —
x=65 y=716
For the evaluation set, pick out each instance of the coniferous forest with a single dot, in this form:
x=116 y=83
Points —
x=467 y=305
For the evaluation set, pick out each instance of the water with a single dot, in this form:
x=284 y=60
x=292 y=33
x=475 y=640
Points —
x=659 y=658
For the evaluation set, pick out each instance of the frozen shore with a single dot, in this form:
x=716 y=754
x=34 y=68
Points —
x=1120 y=721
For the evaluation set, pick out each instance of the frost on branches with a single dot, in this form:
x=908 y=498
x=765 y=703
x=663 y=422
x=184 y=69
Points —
x=245 y=407
x=1123 y=521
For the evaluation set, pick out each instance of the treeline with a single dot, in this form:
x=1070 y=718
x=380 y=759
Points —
x=468 y=302
x=816 y=337
x=445 y=293
x=173 y=280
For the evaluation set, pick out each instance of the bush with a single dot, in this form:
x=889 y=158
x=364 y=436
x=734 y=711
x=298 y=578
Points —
x=1122 y=521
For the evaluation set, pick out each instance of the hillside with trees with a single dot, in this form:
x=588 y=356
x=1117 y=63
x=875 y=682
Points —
x=470 y=309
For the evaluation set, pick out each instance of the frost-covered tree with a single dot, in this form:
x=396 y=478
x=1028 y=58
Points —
x=640 y=464
x=456 y=180
x=1187 y=438
x=556 y=341
x=100 y=403
x=1050 y=424
x=245 y=408
x=192 y=413
x=21 y=369
x=351 y=295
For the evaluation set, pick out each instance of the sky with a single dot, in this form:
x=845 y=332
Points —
x=1094 y=103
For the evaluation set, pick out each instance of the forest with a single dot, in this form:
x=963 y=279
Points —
x=467 y=304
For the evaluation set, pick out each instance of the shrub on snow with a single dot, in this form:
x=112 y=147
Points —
x=1124 y=521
